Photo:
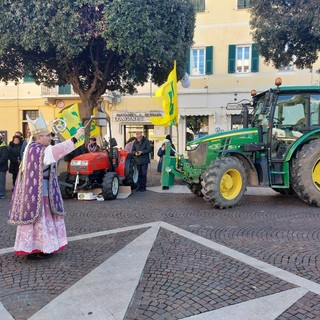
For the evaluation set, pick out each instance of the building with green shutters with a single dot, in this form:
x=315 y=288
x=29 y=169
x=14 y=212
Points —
x=223 y=67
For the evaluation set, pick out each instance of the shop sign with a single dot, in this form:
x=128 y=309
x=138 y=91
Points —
x=60 y=104
x=135 y=116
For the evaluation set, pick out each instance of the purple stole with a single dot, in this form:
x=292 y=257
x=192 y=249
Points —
x=26 y=201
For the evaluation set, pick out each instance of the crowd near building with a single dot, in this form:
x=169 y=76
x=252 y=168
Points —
x=223 y=67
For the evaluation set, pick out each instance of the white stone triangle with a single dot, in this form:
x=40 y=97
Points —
x=264 y=308
x=106 y=292
x=4 y=314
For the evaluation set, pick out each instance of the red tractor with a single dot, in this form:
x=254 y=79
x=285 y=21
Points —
x=106 y=169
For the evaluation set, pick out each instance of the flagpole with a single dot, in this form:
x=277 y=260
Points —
x=177 y=148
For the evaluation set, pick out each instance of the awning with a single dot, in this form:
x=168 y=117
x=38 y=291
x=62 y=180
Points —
x=196 y=111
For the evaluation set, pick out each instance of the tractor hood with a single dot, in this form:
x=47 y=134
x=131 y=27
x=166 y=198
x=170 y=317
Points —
x=239 y=133
x=89 y=162
x=90 y=156
x=202 y=150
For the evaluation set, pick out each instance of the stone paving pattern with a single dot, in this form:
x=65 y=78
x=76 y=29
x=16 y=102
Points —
x=28 y=285
x=182 y=278
x=279 y=230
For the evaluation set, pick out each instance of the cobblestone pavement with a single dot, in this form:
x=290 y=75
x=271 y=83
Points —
x=203 y=263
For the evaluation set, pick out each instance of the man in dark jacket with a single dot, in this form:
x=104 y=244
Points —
x=14 y=157
x=4 y=156
x=141 y=150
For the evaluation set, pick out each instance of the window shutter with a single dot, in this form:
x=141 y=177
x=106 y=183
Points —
x=28 y=78
x=209 y=60
x=254 y=58
x=232 y=59
x=200 y=5
x=65 y=89
x=188 y=62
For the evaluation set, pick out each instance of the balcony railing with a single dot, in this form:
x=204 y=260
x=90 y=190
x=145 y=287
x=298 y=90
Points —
x=56 y=91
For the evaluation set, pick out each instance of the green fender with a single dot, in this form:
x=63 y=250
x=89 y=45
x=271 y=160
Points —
x=312 y=135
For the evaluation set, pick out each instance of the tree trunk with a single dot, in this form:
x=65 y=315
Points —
x=86 y=111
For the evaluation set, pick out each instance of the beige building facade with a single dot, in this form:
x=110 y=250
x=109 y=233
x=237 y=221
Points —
x=223 y=67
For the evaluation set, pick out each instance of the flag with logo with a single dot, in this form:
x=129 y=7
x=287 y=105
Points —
x=71 y=116
x=169 y=94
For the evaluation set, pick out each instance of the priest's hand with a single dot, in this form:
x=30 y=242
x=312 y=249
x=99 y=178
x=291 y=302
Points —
x=79 y=133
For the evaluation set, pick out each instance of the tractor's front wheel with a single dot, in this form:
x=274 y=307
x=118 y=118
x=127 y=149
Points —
x=224 y=182
x=110 y=186
x=196 y=189
x=66 y=191
x=305 y=173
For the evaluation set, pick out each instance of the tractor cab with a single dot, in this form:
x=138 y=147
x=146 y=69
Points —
x=287 y=118
x=278 y=146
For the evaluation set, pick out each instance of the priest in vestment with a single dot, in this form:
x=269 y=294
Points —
x=36 y=206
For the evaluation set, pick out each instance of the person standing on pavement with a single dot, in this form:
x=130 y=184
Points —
x=141 y=150
x=4 y=156
x=36 y=206
x=14 y=157
x=129 y=144
x=23 y=142
x=162 y=151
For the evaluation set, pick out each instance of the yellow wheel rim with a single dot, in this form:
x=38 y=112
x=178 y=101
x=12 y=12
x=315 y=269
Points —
x=231 y=184
x=316 y=175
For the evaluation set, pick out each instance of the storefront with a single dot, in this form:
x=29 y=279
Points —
x=202 y=114
x=125 y=124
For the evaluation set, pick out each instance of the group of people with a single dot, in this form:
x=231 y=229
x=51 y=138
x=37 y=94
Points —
x=10 y=159
x=36 y=206
x=140 y=148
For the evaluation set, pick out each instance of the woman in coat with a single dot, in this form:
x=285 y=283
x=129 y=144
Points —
x=162 y=151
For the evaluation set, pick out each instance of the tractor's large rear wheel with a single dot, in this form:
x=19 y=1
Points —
x=131 y=172
x=224 y=182
x=110 y=186
x=305 y=173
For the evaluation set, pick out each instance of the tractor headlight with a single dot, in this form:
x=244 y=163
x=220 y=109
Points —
x=192 y=147
x=76 y=165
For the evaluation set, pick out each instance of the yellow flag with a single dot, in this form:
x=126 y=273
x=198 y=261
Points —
x=71 y=116
x=169 y=94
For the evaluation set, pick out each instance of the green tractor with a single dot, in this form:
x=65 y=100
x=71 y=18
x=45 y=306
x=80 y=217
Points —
x=278 y=147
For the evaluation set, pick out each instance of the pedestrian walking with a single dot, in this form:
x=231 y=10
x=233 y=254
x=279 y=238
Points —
x=4 y=156
x=36 y=206
x=141 y=150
